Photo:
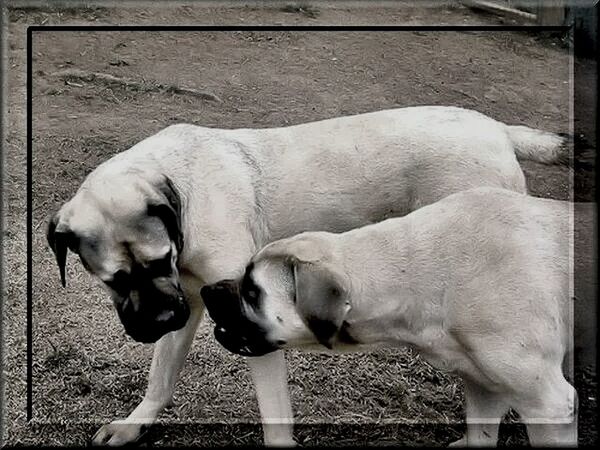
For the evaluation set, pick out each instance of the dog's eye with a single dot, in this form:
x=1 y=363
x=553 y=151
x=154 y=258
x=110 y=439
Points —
x=250 y=292
x=120 y=283
x=251 y=295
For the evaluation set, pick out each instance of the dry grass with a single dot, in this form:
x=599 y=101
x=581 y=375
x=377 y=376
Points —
x=57 y=11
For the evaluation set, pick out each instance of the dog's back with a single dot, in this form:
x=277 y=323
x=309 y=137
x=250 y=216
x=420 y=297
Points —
x=340 y=173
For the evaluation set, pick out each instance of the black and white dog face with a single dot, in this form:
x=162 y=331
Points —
x=290 y=296
x=127 y=232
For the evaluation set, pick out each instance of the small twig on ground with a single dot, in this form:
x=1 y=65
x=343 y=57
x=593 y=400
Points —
x=70 y=75
x=304 y=9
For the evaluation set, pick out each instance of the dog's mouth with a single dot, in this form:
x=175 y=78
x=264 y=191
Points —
x=149 y=323
x=233 y=329
x=241 y=345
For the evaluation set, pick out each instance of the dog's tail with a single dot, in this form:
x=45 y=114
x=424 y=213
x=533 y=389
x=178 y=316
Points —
x=540 y=146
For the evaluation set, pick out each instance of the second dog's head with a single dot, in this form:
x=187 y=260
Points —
x=292 y=294
x=126 y=229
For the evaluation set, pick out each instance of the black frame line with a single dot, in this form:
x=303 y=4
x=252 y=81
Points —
x=167 y=28
x=299 y=27
x=29 y=229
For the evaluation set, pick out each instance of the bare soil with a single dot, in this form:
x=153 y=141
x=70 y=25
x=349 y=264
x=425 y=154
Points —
x=86 y=371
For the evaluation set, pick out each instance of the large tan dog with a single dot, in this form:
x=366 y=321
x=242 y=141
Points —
x=480 y=283
x=191 y=205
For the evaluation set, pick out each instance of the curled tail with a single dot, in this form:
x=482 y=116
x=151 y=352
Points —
x=537 y=145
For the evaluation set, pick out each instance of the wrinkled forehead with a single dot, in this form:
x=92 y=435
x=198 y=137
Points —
x=104 y=255
x=100 y=257
x=114 y=201
x=110 y=241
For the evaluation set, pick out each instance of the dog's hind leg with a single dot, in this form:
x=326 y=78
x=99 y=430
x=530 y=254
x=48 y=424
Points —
x=551 y=417
x=169 y=355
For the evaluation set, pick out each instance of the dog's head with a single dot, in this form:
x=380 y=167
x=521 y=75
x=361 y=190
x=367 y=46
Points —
x=127 y=231
x=291 y=295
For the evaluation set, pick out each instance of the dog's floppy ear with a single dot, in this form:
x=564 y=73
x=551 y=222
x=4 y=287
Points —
x=169 y=211
x=60 y=238
x=321 y=297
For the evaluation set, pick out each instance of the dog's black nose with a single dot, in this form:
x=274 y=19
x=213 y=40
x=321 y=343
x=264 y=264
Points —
x=220 y=300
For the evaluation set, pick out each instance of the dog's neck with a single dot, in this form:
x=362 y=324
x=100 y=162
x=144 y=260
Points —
x=399 y=301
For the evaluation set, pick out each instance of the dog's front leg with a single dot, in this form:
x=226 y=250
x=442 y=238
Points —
x=269 y=373
x=169 y=355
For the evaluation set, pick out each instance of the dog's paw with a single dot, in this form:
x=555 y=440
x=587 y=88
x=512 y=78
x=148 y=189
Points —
x=118 y=433
x=282 y=443
x=279 y=436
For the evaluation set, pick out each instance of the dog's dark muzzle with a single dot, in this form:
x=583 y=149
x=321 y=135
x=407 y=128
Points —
x=155 y=316
x=233 y=330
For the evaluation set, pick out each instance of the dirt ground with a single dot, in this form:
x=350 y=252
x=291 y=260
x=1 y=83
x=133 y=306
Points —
x=86 y=371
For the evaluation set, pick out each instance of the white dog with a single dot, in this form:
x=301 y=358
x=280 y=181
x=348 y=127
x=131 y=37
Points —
x=479 y=283
x=190 y=206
